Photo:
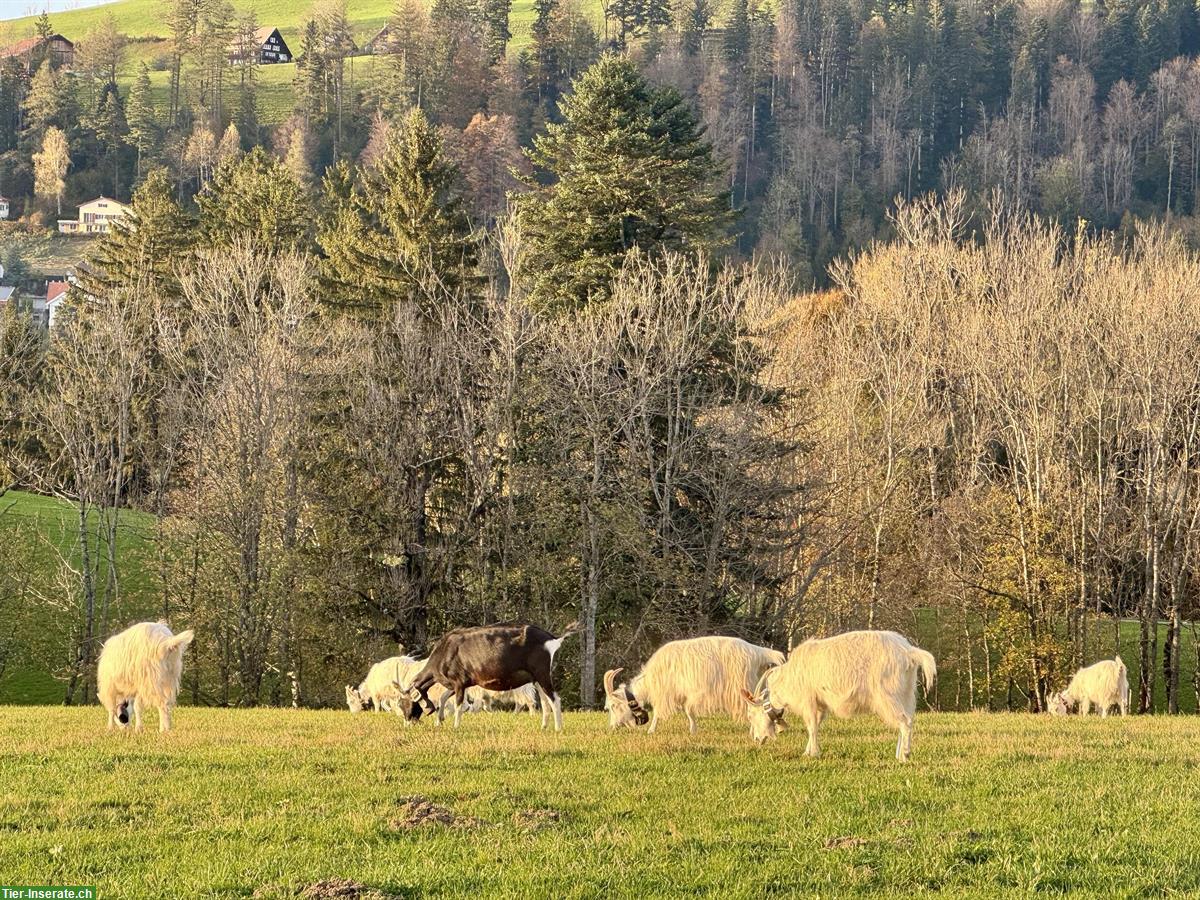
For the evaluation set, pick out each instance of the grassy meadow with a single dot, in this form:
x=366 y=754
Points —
x=264 y=803
x=40 y=534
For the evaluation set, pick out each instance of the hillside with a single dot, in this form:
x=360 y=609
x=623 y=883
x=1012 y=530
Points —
x=142 y=21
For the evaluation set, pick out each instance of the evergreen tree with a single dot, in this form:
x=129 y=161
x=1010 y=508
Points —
x=111 y=130
x=255 y=198
x=631 y=170
x=496 y=33
x=49 y=102
x=309 y=83
x=737 y=36
x=545 y=53
x=404 y=63
x=247 y=66
x=13 y=86
x=144 y=249
x=139 y=114
x=44 y=31
x=401 y=233
x=695 y=21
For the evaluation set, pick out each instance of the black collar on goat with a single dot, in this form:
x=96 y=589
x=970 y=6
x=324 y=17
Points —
x=499 y=657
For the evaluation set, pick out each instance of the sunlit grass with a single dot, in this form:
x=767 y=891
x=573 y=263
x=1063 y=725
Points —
x=235 y=802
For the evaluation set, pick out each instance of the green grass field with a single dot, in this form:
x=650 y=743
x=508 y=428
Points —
x=44 y=530
x=264 y=803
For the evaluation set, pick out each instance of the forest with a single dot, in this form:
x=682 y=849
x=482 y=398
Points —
x=760 y=321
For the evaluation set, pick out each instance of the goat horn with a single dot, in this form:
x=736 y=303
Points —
x=610 y=678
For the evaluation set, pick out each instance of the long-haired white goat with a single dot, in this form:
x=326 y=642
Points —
x=379 y=687
x=141 y=665
x=1106 y=684
x=856 y=672
x=701 y=676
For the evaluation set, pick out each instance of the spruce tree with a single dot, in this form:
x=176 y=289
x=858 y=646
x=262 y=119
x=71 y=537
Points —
x=13 y=85
x=255 y=198
x=144 y=249
x=50 y=101
x=309 y=82
x=139 y=114
x=496 y=32
x=400 y=231
x=545 y=52
x=111 y=130
x=631 y=170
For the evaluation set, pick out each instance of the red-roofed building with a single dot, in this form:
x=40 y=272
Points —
x=32 y=50
x=46 y=309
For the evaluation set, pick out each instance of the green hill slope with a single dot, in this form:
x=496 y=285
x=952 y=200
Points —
x=144 y=22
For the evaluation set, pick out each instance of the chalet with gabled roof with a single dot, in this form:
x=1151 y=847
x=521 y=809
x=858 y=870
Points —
x=269 y=44
x=33 y=50
x=379 y=42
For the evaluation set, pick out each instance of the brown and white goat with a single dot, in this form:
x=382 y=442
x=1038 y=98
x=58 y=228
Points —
x=495 y=657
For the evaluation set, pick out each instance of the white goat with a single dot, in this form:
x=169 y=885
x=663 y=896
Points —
x=143 y=664
x=378 y=688
x=522 y=698
x=476 y=697
x=1105 y=684
x=702 y=676
x=856 y=672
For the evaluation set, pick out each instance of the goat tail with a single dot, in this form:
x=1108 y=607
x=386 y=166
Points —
x=571 y=629
x=927 y=663
x=178 y=642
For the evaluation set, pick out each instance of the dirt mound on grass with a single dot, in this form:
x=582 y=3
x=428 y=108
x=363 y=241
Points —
x=418 y=812
x=340 y=889
x=329 y=889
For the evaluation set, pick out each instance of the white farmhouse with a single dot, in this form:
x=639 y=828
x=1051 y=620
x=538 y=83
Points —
x=95 y=217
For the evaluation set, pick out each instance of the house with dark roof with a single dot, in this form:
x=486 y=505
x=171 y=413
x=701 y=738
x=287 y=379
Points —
x=379 y=42
x=268 y=43
x=3 y=207
x=33 y=50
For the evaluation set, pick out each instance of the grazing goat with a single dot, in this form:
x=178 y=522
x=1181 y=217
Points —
x=379 y=687
x=494 y=657
x=142 y=664
x=702 y=676
x=856 y=672
x=522 y=698
x=1106 y=684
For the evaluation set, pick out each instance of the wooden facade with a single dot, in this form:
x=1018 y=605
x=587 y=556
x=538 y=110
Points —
x=32 y=51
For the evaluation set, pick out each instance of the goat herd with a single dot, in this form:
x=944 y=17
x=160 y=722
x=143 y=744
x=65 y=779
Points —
x=477 y=668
